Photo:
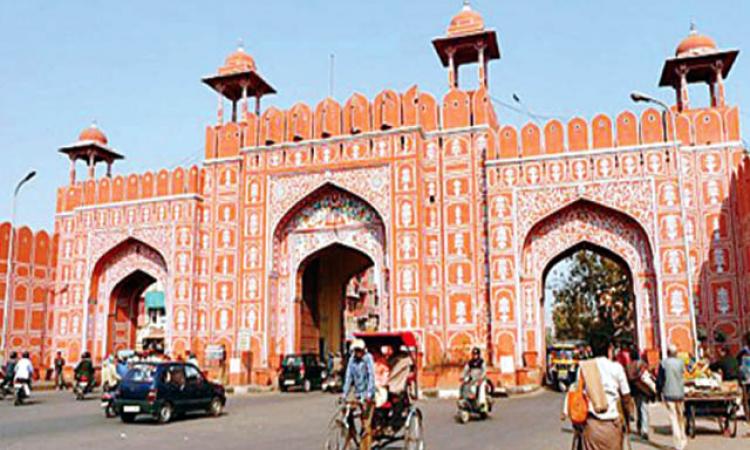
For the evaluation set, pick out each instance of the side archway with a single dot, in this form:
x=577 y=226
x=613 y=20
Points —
x=585 y=224
x=119 y=278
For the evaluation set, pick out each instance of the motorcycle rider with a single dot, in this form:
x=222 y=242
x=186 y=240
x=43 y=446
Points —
x=10 y=368
x=110 y=377
x=85 y=368
x=474 y=375
x=23 y=372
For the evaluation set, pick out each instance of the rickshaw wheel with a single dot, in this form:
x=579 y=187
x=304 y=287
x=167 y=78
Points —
x=339 y=439
x=413 y=434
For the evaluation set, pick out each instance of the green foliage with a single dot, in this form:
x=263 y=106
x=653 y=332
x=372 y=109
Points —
x=594 y=302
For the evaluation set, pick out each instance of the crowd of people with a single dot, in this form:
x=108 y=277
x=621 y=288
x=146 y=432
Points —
x=619 y=384
x=113 y=368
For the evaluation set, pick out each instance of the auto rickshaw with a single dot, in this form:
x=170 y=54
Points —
x=396 y=416
x=562 y=364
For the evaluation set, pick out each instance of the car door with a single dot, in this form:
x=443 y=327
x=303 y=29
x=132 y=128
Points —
x=174 y=387
x=197 y=390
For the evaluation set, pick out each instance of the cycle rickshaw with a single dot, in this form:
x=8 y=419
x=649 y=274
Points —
x=396 y=418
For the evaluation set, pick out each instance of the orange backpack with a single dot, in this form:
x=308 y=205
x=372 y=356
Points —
x=578 y=403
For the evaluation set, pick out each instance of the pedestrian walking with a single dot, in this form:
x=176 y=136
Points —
x=643 y=391
x=671 y=387
x=59 y=366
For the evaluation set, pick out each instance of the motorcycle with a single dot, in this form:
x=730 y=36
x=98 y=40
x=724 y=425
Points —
x=108 y=403
x=21 y=391
x=333 y=382
x=81 y=388
x=469 y=405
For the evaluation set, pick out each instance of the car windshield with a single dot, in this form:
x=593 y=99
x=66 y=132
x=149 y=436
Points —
x=292 y=361
x=143 y=373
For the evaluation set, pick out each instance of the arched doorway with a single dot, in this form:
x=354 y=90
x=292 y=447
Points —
x=332 y=226
x=336 y=298
x=589 y=296
x=129 y=284
x=135 y=320
x=586 y=224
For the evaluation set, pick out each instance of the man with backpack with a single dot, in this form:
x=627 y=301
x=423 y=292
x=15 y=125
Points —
x=595 y=402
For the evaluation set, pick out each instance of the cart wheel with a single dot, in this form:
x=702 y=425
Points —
x=413 y=433
x=732 y=420
x=690 y=423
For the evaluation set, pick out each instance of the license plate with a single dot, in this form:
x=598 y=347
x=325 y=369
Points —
x=131 y=408
x=562 y=373
x=288 y=382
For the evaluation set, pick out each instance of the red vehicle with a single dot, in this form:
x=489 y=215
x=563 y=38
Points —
x=396 y=416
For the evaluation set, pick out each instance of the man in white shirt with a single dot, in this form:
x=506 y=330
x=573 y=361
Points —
x=608 y=390
x=24 y=371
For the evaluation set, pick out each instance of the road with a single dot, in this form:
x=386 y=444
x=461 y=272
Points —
x=295 y=422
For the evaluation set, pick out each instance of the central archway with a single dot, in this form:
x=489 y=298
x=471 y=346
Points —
x=329 y=222
x=332 y=286
x=579 y=225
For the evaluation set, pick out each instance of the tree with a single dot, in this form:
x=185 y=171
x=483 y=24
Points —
x=594 y=301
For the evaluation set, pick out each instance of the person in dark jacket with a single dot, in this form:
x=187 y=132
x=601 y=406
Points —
x=727 y=365
x=85 y=368
x=59 y=364
x=10 y=369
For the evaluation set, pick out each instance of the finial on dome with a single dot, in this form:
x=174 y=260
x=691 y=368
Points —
x=693 y=29
x=467 y=5
x=241 y=45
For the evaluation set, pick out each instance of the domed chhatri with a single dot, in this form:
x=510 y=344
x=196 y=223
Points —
x=695 y=44
x=93 y=134
x=467 y=21
x=238 y=61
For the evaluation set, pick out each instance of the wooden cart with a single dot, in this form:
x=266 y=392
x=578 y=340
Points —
x=720 y=406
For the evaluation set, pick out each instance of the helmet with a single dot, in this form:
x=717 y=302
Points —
x=357 y=344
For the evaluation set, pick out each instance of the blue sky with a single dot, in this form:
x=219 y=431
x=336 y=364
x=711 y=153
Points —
x=135 y=66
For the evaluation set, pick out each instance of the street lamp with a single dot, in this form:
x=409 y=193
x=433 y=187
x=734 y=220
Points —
x=640 y=97
x=9 y=259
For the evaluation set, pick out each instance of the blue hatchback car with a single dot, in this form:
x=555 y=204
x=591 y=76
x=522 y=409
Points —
x=163 y=390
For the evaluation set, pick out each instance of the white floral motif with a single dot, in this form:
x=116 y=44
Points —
x=722 y=300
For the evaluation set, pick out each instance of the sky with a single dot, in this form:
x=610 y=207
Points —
x=135 y=66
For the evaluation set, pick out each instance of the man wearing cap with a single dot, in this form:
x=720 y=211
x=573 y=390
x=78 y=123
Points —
x=360 y=376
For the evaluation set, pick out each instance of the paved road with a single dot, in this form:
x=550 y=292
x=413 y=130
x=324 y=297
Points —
x=292 y=422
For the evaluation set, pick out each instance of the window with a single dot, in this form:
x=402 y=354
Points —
x=175 y=375
x=193 y=375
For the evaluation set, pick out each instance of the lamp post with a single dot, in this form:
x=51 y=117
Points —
x=9 y=260
x=645 y=98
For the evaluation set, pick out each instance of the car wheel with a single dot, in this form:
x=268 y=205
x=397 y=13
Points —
x=127 y=418
x=164 y=415
x=216 y=407
x=307 y=386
